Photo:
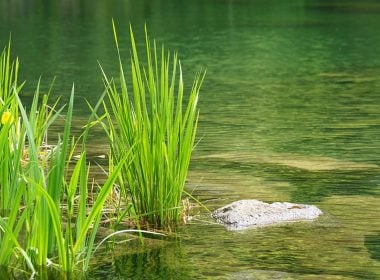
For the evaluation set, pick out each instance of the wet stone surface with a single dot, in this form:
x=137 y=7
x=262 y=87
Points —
x=248 y=213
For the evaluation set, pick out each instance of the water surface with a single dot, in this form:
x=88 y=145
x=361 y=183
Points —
x=290 y=110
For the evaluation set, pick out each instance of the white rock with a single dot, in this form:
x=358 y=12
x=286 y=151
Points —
x=254 y=213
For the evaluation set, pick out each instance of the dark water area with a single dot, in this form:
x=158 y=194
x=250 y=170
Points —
x=290 y=111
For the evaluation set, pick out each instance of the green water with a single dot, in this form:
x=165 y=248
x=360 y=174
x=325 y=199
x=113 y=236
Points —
x=290 y=111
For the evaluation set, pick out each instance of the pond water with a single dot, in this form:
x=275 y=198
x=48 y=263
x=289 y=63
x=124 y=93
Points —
x=290 y=111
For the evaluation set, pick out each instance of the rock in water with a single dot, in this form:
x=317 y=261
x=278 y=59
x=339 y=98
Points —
x=254 y=213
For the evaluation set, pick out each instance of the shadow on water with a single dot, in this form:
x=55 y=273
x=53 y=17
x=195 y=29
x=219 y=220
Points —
x=366 y=6
x=308 y=185
x=41 y=274
x=161 y=263
x=372 y=243
x=312 y=187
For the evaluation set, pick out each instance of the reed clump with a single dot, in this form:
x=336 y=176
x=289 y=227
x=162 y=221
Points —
x=38 y=183
x=152 y=114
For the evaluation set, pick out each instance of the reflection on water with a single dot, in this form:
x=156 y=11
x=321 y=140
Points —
x=314 y=178
x=162 y=263
x=290 y=111
x=372 y=242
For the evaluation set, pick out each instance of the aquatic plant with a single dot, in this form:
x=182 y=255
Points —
x=153 y=119
x=46 y=216
x=12 y=187
x=21 y=165
x=8 y=76
x=71 y=236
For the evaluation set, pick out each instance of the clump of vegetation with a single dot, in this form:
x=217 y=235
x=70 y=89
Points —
x=47 y=215
x=151 y=117
x=46 y=218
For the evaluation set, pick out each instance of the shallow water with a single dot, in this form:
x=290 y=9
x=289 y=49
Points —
x=290 y=111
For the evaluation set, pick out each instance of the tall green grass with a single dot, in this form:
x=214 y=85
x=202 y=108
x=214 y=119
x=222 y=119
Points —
x=12 y=187
x=66 y=232
x=8 y=75
x=150 y=113
x=46 y=215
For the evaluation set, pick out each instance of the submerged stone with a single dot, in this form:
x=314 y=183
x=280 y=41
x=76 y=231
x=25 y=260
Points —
x=254 y=213
x=308 y=163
